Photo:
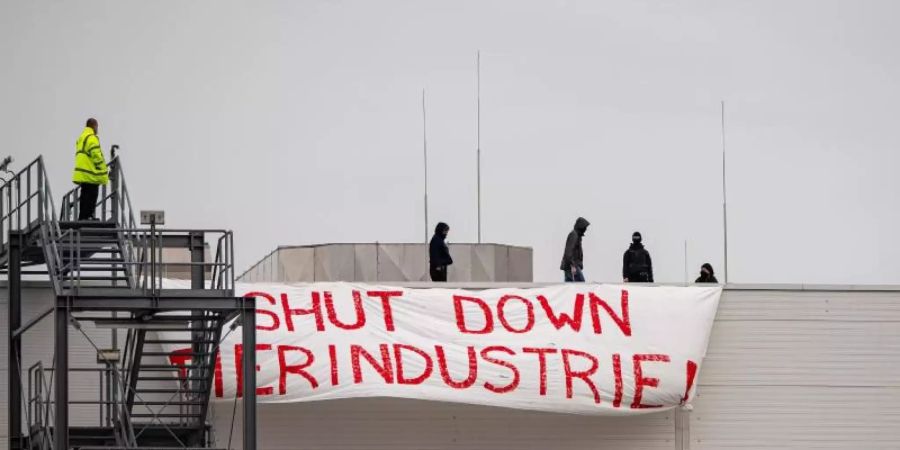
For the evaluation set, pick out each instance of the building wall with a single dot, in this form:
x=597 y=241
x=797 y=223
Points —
x=786 y=369
x=391 y=263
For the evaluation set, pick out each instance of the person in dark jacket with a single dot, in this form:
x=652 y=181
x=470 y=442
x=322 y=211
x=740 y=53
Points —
x=572 y=263
x=706 y=274
x=439 y=254
x=636 y=265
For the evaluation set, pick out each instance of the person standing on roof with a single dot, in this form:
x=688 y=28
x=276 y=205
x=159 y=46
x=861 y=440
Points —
x=636 y=264
x=572 y=263
x=439 y=253
x=90 y=169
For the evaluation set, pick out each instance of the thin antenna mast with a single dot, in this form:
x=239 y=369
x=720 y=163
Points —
x=724 y=197
x=478 y=134
x=425 y=159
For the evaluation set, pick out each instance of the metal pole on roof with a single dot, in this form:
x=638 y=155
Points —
x=478 y=133
x=724 y=199
x=425 y=158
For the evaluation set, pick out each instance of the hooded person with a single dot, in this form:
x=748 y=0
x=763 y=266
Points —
x=707 y=275
x=572 y=263
x=636 y=264
x=439 y=253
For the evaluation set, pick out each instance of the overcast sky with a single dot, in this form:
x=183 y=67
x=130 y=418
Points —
x=299 y=122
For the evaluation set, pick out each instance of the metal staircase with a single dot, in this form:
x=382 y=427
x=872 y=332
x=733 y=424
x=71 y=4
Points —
x=110 y=274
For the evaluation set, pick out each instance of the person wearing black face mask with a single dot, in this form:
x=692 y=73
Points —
x=706 y=274
x=636 y=264
x=573 y=256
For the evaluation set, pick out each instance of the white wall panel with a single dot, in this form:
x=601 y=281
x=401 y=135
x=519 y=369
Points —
x=399 y=424
x=796 y=418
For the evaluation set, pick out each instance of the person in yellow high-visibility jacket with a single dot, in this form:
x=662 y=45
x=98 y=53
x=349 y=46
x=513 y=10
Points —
x=90 y=169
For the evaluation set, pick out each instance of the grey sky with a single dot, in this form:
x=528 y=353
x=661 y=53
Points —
x=299 y=122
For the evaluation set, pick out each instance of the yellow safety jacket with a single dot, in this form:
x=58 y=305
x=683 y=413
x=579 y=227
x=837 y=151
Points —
x=90 y=166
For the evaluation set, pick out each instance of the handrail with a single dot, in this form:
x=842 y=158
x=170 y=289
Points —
x=34 y=210
x=143 y=263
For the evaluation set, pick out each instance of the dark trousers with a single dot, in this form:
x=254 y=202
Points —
x=439 y=274
x=640 y=277
x=88 y=201
x=569 y=277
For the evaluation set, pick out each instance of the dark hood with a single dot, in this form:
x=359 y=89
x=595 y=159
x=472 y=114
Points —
x=581 y=225
x=441 y=228
x=708 y=268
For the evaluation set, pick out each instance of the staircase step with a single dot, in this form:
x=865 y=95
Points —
x=169 y=391
x=102 y=260
x=93 y=224
x=170 y=378
x=179 y=354
x=100 y=269
x=161 y=368
x=176 y=341
x=165 y=403
x=97 y=278
x=165 y=415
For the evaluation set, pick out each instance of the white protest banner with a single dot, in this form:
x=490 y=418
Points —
x=574 y=348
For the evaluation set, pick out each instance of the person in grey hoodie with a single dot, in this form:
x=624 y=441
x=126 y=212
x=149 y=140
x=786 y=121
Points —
x=572 y=263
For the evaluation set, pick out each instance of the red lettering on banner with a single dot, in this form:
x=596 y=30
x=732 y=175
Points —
x=584 y=375
x=529 y=314
x=691 y=376
x=398 y=363
x=445 y=372
x=461 y=317
x=617 y=373
x=357 y=305
x=332 y=354
x=640 y=381
x=271 y=315
x=218 y=377
x=384 y=369
x=542 y=363
x=315 y=310
x=385 y=297
x=515 y=371
x=180 y=358
x=239 y=369
x=298 y=369
x=563 y=319
x=623 y=322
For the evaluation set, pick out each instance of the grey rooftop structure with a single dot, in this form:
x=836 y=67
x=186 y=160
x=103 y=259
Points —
x=380 y=262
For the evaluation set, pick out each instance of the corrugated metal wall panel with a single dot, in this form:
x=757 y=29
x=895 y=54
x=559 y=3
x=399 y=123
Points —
x=398 y=424
x=796 y=418
x=809 y=306
x=827 y=353
x=801 y=370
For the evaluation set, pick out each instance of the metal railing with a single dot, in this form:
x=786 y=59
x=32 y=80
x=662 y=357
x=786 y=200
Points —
x=41 y=407
x=143 y=261
x=113 y=201
x=26 y=201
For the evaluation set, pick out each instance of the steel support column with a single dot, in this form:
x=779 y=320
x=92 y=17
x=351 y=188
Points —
x=197 y=325
x=197 y=259
x=14 y=400
x=248 y=325
x=61 y=375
